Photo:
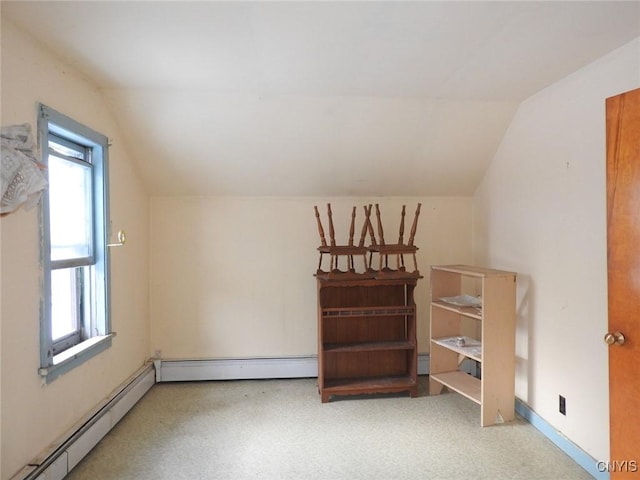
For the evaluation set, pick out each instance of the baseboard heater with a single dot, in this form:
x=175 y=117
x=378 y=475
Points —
x=63 y=455
x=190 y=370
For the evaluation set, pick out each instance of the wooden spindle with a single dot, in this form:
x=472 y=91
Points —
x=401 y=235
x=414 y=227
x=353 y=226
x=370 y=226
x=380 y=230
x=363 y=233
x=332 y=233
x=323 y=242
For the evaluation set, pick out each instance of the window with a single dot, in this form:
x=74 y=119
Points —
x=74 y=323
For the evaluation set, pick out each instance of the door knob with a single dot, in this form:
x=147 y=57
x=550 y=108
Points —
x=615 y=338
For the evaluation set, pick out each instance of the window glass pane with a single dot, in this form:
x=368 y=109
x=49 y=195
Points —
x=64 y=303
x=70 y=209
x=67 y=148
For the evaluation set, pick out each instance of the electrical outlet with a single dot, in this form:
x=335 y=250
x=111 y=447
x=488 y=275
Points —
x=562 y=405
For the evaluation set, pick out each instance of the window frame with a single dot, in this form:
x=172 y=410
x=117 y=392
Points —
x=99 y=336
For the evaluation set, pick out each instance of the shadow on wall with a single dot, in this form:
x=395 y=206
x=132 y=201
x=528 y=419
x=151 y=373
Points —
x=524 y=336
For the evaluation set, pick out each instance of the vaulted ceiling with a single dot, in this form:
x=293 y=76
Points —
x=321 y=98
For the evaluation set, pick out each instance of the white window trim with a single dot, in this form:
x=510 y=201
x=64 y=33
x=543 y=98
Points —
x=52 y=366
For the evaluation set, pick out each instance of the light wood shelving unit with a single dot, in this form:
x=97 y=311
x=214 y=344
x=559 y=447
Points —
x=488 y=333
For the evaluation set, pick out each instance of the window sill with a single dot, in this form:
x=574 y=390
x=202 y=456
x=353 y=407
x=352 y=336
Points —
x=74 y=356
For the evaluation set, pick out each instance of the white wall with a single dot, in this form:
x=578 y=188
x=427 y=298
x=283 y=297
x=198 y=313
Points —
x=540 y=211
x=233 y=277
x=34 y=414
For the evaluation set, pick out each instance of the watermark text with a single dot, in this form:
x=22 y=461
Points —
x=627 y=466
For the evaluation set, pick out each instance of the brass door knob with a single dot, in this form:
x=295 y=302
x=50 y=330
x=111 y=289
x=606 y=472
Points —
x=615 y=338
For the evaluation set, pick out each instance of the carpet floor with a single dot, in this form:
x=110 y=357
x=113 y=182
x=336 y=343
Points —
x=279 y=429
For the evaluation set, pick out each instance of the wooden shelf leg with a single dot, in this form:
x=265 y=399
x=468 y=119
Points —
x=435 y=388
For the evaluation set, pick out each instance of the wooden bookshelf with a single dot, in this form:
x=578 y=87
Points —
x=491 y=343
x=366 y=336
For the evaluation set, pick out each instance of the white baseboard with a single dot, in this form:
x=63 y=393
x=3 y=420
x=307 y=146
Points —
x=68 y=450
x=236 y=369
x=423 y=364
x=247 y=368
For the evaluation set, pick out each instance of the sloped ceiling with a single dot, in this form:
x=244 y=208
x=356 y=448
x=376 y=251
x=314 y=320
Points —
x=321 y=98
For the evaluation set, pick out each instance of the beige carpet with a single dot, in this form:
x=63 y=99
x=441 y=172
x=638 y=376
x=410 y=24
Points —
x=279 y=429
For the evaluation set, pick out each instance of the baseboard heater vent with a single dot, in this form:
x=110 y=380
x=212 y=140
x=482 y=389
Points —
x=66 y=453
x=247 y=368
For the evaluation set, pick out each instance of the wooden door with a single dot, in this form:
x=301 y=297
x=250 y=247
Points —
x=623 y=255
